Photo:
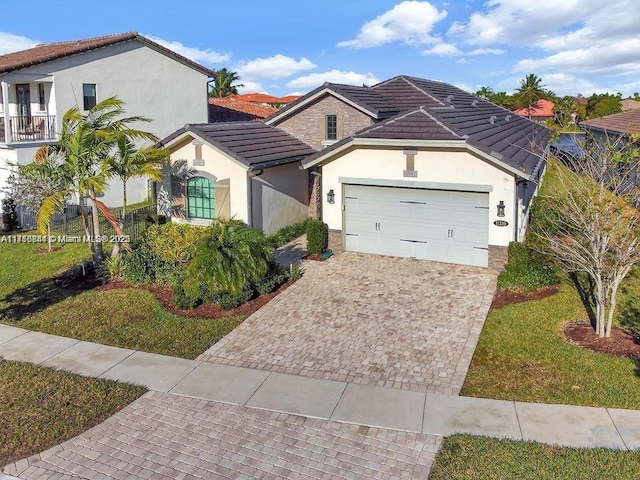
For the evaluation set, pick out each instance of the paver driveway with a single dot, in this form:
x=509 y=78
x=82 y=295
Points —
x=369 y=319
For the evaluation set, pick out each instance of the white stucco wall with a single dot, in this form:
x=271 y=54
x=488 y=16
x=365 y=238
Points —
x=150 y=83
x=280 y=197
x=453 y=167
x=216 y=164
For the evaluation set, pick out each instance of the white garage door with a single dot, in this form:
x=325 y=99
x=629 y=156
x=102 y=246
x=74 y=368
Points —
x=438 y=225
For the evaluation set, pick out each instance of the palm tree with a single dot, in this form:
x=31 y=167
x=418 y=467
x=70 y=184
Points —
x=85 y=142
x=128 y=161
x=485 y=92
x=563 y=110
x=225 y=84
x=530 y=91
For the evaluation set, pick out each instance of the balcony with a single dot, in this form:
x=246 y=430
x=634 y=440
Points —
x=33 y=128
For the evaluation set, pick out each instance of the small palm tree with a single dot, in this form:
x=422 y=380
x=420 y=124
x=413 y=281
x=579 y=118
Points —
x=563 y=109
x=225 y=84
x=230 y=257
x=485 y=92
x=531 y=90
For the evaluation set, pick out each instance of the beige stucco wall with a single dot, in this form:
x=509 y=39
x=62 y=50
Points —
x=280 y=197
x=216 y=164
x=308 y=123
x=151 y=84
x=454 y=167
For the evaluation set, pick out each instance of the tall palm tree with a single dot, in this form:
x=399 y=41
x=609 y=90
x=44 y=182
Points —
x=85 y=143
x=530 y=91
x=127 y=161
x=225 y=84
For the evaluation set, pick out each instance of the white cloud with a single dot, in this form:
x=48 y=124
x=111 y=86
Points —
x=207 y=56
x=443 y=49
x=409 y=22
x=486 y=51
x=250 y=87
x=464 y=87
x=334 y=76
x=278 y=66
x=567 y=84
x=10 y=43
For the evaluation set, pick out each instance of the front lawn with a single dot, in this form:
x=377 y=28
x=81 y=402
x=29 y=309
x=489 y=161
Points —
x=468 y=457
x=42 y=407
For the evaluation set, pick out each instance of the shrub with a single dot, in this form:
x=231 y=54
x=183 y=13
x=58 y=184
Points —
x=174 y=243
x=287 y=234
x=9 y=215
x=317 y=236
x=526 y=270
x=276 y=276
x=181 y=299
x=229 y=301
x=230 y=257
x=113 y=268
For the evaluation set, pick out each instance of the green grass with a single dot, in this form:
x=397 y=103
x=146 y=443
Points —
x=42 y=407
x=522 y=355
x=128 y=318
x=467 y=457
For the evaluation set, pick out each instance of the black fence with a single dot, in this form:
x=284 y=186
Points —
x=69 y=221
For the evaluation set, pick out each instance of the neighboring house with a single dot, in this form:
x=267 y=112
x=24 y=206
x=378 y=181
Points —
x=629 y=104
x=418 y=168
x=40 y=84
x=625 y=124
x=540 y=111
x=231 y=109
x=266 y=99
x=244 y=170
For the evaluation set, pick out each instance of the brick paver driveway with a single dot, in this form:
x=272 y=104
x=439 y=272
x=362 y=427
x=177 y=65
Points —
x=369 y=319
x=168 y=436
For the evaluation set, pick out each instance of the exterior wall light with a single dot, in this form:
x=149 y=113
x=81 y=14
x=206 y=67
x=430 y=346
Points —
x=501 y=208
x=331 y=196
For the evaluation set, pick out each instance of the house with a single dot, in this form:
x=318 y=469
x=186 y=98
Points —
x=418 y=168
x=231 y=109
x=629 y=104
x=40 y=84
x=624 y=124
x=245 y=170
x=540 y=111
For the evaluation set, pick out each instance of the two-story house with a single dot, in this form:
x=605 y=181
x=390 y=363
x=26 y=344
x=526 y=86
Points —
x=408 y=167
x=38 y=85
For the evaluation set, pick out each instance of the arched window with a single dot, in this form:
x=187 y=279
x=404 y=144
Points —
x=201 y=198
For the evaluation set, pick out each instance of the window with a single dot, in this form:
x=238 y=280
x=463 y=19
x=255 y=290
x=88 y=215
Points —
x=331 y=127
x=89 y=95
x=201 y=201
x=41 y=97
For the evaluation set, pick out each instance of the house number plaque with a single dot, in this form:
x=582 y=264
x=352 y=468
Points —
x=501 y=223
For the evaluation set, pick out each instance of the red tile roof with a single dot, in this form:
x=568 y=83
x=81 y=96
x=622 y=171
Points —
x=52 y=51
x=265 y=98
x=233 y=103
x=626 y=122
x=542 y=108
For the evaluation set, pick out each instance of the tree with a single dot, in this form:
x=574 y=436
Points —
x=485 y=92
x=85 y=142
x=504 y=100
x=225 y=84
x=564 y=109
x=531 y=90
x=599 y=105
x=591 y=224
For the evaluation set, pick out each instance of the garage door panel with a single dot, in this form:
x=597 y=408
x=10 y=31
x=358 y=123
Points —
x=434 y=225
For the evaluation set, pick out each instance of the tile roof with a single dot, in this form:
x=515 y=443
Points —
x=542 y=108
x=254 y=144
x=52 y=51
x=266 y=98
x=623 y=123
x=438 y=111
x=230 y=109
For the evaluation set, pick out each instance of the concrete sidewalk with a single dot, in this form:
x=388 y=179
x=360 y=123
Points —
x=351 y=403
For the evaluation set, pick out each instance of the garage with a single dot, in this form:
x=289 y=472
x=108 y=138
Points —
x=429 y=224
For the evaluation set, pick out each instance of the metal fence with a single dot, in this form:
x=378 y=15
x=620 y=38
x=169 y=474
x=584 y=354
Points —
x=69 y=221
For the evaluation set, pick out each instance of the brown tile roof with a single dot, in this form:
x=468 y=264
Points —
x=623 y=123
x=227 y=109
x=265 y=98
x=254 y=144
x=52 y=51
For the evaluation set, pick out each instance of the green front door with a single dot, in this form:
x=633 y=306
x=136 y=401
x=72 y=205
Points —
x=201 y=198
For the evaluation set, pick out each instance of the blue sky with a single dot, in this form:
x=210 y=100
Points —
x=286 y=46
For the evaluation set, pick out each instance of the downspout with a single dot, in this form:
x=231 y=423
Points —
x=5 y=107
x=250 y=178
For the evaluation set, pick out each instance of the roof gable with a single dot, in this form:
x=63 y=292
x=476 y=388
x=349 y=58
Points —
x=53 y=51
x=253 y=144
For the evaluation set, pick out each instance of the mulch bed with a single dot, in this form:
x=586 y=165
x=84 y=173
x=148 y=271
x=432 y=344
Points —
x=621 y=343
x=507 y=297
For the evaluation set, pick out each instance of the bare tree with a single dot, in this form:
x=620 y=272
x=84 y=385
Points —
x=591 y=224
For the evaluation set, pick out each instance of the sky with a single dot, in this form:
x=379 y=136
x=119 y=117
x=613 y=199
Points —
x=286 y=46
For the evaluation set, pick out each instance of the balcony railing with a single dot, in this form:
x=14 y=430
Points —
x=31 y=128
